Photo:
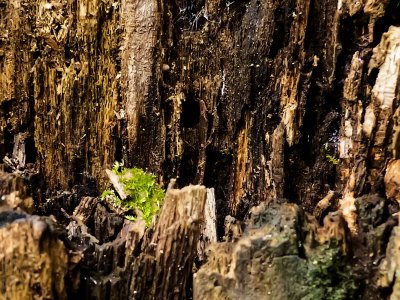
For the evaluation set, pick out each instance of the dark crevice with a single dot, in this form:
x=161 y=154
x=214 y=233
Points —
x=30 y=146
x=30 y=149
x=7 y=147
x=188 y=166
x=190 y=112
x=169 y=167
x=118 y=150
x=283 y=20
x=217 y=171
x=372 y=76
x=391 y=17
x=307 y=161
x=308 y=37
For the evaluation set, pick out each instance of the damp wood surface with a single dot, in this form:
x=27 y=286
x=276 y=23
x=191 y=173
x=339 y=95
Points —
x=287 y=111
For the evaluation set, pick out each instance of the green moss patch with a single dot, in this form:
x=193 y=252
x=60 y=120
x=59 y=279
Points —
x=328 y=276
x=145 y=196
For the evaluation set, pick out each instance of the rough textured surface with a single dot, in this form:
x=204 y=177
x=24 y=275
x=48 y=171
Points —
x=15 y=192
x=369 y=118
x=163 y=269
x=269 y=261
x=140 y=75
x=33 y=261
x=264 y=263
x=100 y=258
x=257 y=99
x=392 y=180
x=201 y=91
x=16 y=62
x=390 y=266
x=75 y=89
x=209 y=232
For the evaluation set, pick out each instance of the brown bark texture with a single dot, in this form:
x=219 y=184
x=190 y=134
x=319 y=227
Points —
x=288 y=109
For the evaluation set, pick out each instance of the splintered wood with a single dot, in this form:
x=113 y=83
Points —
x=377 y=122
x=162 y=271
x=209 y=232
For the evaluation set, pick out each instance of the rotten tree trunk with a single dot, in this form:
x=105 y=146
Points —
x=257 y=99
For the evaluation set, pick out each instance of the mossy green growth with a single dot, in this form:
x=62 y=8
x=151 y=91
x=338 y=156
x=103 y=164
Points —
x=331 y=157
x=328 y=277
x=144 y=194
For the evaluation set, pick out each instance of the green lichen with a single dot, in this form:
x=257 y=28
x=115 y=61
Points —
x=328 y=277
x=144 y=194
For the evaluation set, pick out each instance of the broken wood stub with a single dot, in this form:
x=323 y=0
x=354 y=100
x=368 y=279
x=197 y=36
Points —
x=275 y=258
x=163 y=269
x=33 y=262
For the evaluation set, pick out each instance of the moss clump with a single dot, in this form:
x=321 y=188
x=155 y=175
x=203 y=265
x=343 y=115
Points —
x=144 y=194
x=328 y=277
x=330 y=155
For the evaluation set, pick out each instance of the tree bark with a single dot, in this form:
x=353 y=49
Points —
x=260 y=100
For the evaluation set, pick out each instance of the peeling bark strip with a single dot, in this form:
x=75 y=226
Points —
x=209 y=228
x=292 y=102
x=385 y=96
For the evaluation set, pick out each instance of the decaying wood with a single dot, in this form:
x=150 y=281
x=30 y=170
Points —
x=14 y=192
x=392 y=180
x=162 y=271
x=209 y=232
x=324 y=205
x=372 y=122
x=233 y=229
x=19 y=149
x=33 y=262
x=389 y=267
x=141 y=63
x=116 y=184
x=101 y=91
x=102 y=253
x=75 y=82
x=266 y=262
x=256 y=99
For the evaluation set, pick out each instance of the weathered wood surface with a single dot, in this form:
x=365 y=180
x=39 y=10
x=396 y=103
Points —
x=164 y=267
x=258 y=99
x=239 y=96
x=98 y=255
x=209 y=92
x=209 y=228
x=33 y=261
x=272 y=258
